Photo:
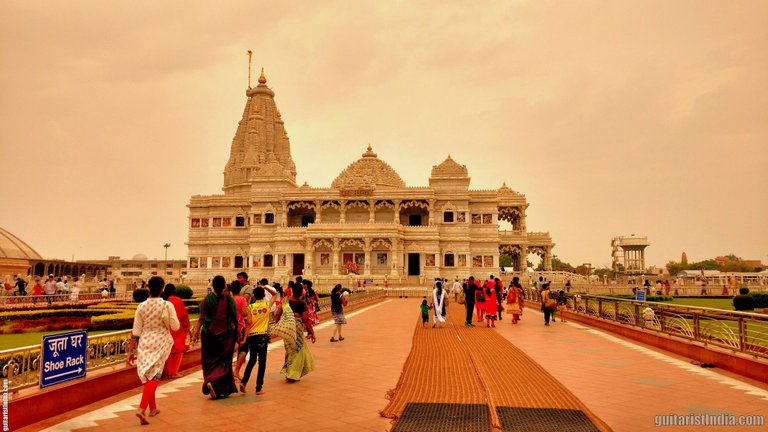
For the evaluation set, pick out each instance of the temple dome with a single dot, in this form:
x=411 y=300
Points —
x=449 y=168
x=368 y=172
x=139 y=257
x=13 y=247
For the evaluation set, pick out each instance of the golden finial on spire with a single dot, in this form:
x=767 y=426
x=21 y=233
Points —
x=262 y=78
x=369 y=147
x=278 y=114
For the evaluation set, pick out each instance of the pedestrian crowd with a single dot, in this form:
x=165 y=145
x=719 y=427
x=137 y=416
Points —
x=237 y=320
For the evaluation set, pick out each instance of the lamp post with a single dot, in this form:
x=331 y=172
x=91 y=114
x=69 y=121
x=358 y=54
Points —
x=165 y=270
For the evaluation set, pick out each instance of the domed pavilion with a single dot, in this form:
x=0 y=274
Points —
x=367 y=225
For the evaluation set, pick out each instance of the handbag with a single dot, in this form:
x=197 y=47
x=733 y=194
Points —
x=480 y=297
x=460 y=298
x=551 y=304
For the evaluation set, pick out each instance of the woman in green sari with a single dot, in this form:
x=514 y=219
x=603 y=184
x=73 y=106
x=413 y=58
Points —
x=218 y=328
x=292 y=320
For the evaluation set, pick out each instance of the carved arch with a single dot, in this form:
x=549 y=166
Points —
x=322 y=243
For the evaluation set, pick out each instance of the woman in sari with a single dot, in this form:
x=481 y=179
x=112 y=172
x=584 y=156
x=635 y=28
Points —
x=514 y=299
x=217 y=328
x=154 y=317
x=438 y=303
x=292 y=321
x=180 y=341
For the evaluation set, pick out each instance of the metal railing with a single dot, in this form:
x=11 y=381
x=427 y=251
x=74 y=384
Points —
x=21 y=366
x=742 y=332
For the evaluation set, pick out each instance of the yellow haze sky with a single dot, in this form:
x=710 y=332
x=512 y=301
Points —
x=612 y=117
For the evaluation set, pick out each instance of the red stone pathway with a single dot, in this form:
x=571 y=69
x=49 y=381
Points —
x=623 y=383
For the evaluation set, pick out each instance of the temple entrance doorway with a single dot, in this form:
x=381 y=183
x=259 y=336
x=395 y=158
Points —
x=298 y=264
x=414 y=264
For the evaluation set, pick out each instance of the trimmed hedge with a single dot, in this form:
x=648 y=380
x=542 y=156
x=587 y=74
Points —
x=49 y=313
x=183 y=292
x=761 y=299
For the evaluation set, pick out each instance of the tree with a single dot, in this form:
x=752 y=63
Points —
x=557 y=265
x=604 y=272
x=505 y=260
x=675 y=267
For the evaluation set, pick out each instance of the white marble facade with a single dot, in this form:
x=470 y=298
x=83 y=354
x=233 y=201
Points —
x=368 y=223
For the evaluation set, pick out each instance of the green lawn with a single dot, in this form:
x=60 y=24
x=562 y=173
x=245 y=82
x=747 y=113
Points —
x=726 y=304
x=17 y=340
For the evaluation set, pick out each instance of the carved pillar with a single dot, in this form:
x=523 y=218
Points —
x=431 y=212
x=309 y=258
x=522 y=263
x=335 y=250
x=367 y=250
x=284 y=214
x=371 y=211
x=523 y=226
x=548 y=258
x=318 y=205
x=342 y=211
x=393 y=253
x=397 y=211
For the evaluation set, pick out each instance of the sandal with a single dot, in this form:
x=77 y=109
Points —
x=142 y=417
x=334 y=340
x=154 y=413
x=211 y=390
x=341 y=338
x=242 y=388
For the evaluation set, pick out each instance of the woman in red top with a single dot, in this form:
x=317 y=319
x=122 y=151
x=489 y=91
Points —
x=37 y=290
x=180 y=336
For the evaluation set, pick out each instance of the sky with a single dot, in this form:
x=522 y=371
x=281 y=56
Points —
x=612 y=117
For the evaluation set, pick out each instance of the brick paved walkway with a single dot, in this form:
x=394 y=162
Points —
x=623 y=383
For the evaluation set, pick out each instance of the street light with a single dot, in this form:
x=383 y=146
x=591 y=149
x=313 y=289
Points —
x=165 y=270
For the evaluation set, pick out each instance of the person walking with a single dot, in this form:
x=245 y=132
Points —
x=469 y=300
x=292 y=320
x=258 y=340
x=513 y=302
x=180 y=336
x=217 y=331
x=338 y=302
x=499 y=296
x=490 y=307
x=424 y=308
x=50 y=289
x=547 y=305
x=151 y=324
x=241 y=310
x=438 y=304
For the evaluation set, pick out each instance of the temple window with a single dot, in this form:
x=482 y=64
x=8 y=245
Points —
x=238 y=261
x=448 y=217
x=268 y=260
x=449 y=260
x=269 y=218
x=239 y=221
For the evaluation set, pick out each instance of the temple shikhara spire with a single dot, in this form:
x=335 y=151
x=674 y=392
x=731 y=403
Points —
x=260 y=148
x=368 y=225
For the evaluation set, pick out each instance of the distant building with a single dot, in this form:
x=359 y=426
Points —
x=628 y=254
x=140 y=267
x=18 y=258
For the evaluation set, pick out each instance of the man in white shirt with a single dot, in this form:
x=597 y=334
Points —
x=50 y=288
x=456 y=289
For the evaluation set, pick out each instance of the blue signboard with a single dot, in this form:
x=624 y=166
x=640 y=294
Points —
x=640 y=295
x=63 y=357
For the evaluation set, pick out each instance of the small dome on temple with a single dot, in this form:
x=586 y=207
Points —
x=367 y=172
x=262 y=78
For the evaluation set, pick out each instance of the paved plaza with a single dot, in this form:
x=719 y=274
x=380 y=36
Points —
x=619 y=384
